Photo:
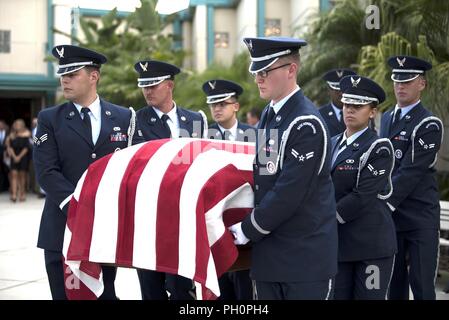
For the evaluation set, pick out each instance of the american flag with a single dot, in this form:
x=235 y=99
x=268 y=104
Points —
x=163 y=205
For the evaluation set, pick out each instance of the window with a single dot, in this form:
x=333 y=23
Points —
x=5 y=41
x=272 y=27
x=221 y=39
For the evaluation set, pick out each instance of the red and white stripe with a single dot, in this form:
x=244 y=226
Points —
x=163 y=205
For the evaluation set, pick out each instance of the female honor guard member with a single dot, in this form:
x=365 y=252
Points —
x=361 y=172
x=69 y=138
x=416 y=136
x=292 y=228
x=162 y=119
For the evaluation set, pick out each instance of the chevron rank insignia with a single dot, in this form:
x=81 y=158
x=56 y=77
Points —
x=37 y=141
x=425 y=145
x=374 y=171
x=302 y=158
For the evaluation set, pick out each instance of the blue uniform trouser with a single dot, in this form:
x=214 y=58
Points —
x=313 y=290
x=154 y=286
x=363 y=280
x=236 y=285
x=416 y=265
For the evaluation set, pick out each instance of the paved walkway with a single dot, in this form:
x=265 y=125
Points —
x=22 y=270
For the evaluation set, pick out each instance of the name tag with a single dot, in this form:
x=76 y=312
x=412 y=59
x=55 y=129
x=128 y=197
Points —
x=346 y=168
x=400 y=138
x=118 y=137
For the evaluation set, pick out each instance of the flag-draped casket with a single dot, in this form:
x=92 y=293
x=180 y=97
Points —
x=163 y=205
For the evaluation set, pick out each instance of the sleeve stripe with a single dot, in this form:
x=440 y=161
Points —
x=340 y=219
x=256 y=225
x=66 y=200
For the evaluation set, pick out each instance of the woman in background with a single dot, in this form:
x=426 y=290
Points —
x=18 y=149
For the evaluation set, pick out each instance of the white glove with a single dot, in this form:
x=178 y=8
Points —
x=239 y=236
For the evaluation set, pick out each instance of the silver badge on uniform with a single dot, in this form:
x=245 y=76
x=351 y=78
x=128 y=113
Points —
x=356 y=145
x=278 y=118
x=330 y=113
x=271 y=167
x=153 y=120
x=349 y=160
x=271 y=142
x=183 y=118
x=407 y=117
x=403 y=133
x=108 y=113
x=116 y=129
x=71 y=113
x=398 y=154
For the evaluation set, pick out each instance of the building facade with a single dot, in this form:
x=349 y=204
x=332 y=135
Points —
x=210 y=30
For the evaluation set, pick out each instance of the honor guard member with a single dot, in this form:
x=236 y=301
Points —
x=332 y=112
x=69 y=138
x=253 y=117
x=292 y=228
x=361 y=171
x=416 y=135
x=222 y=98
x=162 y=119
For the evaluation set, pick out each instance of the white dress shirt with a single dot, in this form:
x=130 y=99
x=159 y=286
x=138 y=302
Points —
x=277 y=106
x=406 y=109
x=232 y=136
x=349 y=141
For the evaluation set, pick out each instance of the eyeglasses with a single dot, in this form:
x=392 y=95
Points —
x=264 y=73
x=221 y=104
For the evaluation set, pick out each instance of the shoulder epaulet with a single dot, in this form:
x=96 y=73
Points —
x=132 y=126
x=301 y=122
x=206 y=128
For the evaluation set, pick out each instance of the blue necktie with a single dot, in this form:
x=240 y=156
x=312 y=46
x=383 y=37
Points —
x=86 y=121
x=164 y=119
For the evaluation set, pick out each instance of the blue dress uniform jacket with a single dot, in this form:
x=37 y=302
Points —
x=63 y=151
x=241 y=130
x=293 y=226
x=366 y=229
x=190 y=123
x=416 y=140
x=335 y=127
